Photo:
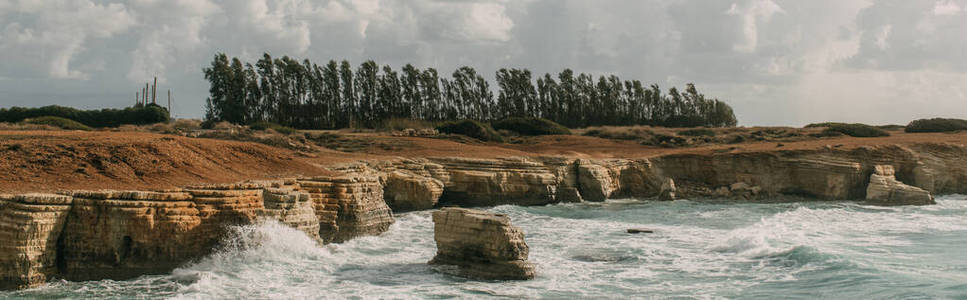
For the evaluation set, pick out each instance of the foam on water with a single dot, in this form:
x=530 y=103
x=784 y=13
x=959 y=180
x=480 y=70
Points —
x=698 y=250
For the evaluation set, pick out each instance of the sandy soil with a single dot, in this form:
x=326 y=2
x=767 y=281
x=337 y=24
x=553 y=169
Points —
x=45 y=161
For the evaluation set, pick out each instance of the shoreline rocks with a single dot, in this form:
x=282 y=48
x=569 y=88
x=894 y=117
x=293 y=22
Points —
x=482 y=245
x=884 y=189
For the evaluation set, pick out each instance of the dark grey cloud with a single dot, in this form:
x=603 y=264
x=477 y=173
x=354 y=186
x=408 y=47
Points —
x=777 y=61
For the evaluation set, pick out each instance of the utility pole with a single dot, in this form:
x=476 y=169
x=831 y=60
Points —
x=137 y=98
x=145 y=93
x=169 y=102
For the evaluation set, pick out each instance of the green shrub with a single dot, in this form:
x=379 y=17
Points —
x=62 y=123
x=136 y=115
x=697 y=132
x=857 y=130
x=472 y=129
x=936 y=125
x=397 y=124
x=824 y=124
x=263 y=125
x=530 y=126
x=891 y=127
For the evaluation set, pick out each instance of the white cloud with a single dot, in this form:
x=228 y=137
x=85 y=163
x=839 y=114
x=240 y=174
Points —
x=758 y=10
x=53 y=32
x=944 y=8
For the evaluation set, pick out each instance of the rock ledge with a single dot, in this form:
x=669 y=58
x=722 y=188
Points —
x=482 y=245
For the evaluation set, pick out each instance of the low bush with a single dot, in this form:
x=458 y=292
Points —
x=59 y=122
x=472 y=129
x=530 y=126
x=857 y=130
x=135 y=115
x=621 y=133
x=697 y=132
x=891 y=127
x=824 y=124
x=263 y=125
x=397 y=124
x=936 y=125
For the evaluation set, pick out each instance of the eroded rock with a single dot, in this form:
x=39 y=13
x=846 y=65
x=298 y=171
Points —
x=29 y=228
x=406 y=191
x=480 y=244
x=884 y=189
x=348 y=206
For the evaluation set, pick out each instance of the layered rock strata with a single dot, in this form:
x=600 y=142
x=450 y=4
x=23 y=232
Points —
x=91 y=235
x=884 y=189
x=30 y=226
x=348 y=206
x=480 y=244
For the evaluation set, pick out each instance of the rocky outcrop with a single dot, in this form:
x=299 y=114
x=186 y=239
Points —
x=405 y=191
x=884 y=189
x=489 y=182
x=30 y=226
x=480 y=245
x=293 y=208
x=348 y=206
x=92 y=235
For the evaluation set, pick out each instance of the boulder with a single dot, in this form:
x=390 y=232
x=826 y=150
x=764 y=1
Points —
x=884 y=189
x=480 y=245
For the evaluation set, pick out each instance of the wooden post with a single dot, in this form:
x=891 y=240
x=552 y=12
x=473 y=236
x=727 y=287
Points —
x=154 y=91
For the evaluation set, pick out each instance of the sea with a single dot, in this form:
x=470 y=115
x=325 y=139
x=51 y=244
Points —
x=698 y=250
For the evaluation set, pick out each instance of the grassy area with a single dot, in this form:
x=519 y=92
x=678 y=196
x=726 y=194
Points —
x=530 y=126
x=857 y=130
x=262 y=126
x=62 y=123
x=474 y=129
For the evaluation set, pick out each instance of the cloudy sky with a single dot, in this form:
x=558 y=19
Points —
x=778 y=62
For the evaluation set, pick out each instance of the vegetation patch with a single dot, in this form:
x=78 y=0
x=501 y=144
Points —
x=59 y=122
x=936 y=125
x=891 y=127
x=472 y=129
x=531 y=126
x=262 y=125
x=136 y=115
x=697 y=132
x=857 y=130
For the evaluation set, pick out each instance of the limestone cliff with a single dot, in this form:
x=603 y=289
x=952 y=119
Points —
x=348 y=206
x=480 y=245
x=30 y=226
x=884 y=189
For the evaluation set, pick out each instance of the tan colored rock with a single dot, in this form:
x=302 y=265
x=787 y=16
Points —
x=489 y=182
x=597 y=182
x=29 y=228
x=348 y=206
x=125 y=234
x=292 y=208
x=668 y=190
x=884 y=189
x=480 y=244
x=406 y=191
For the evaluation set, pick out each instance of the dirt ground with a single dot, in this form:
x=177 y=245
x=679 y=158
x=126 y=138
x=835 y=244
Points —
x=47 y=161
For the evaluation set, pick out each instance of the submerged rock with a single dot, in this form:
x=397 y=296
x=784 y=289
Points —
x=884 y=189
x=640 y=230
x=482 y=245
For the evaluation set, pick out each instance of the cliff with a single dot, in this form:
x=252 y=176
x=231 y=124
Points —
x=82 y=235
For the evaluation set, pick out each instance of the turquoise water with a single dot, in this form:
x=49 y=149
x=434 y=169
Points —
x=701 y=250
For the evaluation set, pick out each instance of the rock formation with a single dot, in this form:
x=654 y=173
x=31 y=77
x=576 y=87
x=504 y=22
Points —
x=29 y=228
x=480 y=244
x=884 y=189
x=348 y=206
x=405 y=191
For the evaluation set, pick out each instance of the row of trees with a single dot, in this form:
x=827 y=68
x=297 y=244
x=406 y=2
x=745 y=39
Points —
x=334 y=95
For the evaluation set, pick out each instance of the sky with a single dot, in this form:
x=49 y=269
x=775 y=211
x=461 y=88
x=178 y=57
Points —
x=777 y=62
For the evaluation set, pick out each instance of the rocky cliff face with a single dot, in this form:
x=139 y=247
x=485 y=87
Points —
x=480 y=245
x=90 y=235
x=121 y=234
